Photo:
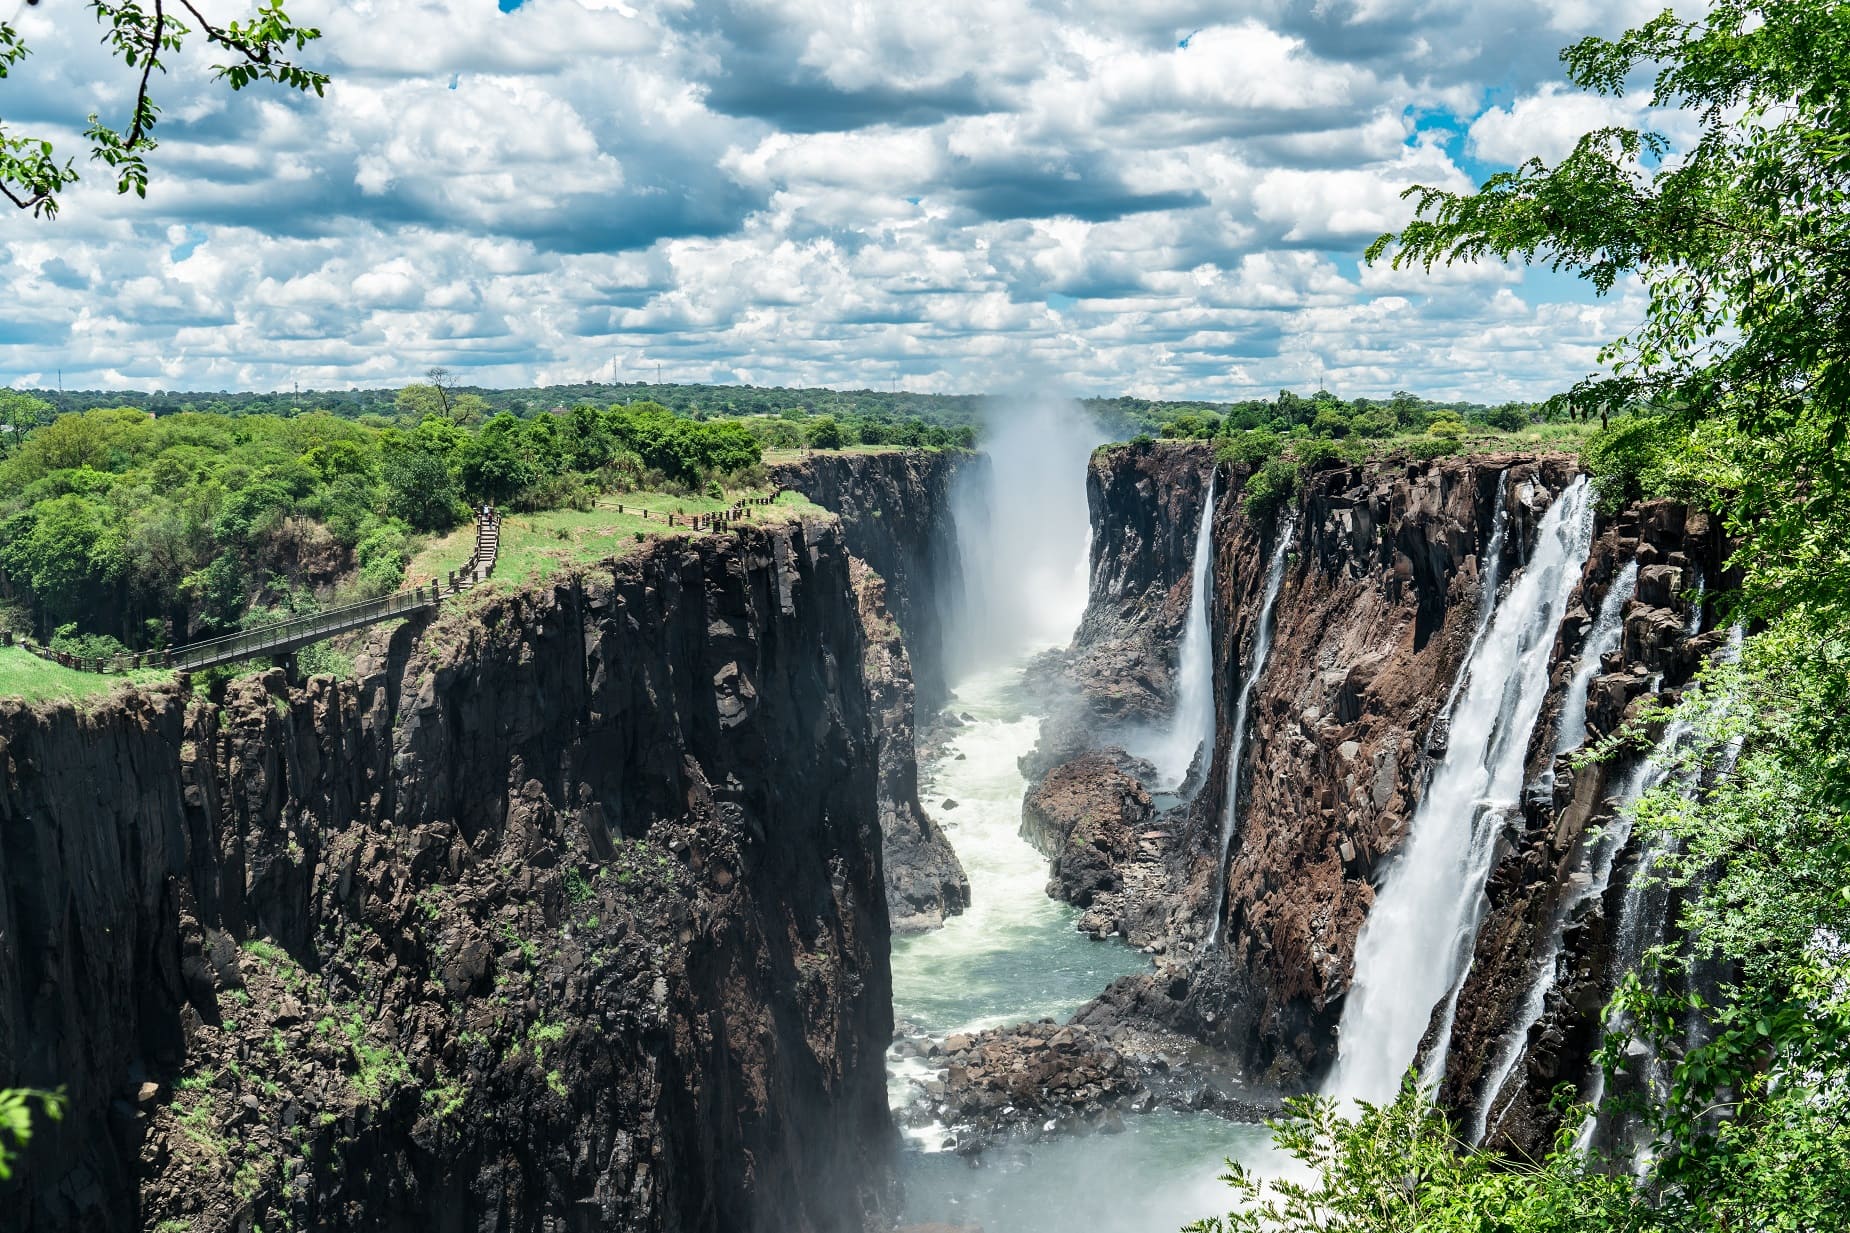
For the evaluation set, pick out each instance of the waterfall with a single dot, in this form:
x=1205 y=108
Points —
x=1603 y=638
x=1236 y=745
x=1023 y=533
x=1173 y=754
x=1643 y=910
x=1602 y=853
x=1490 y=573
x=1415 y=945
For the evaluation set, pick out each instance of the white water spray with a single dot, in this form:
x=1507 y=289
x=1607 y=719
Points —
x=1417 y=941
x=1192 y=726
x=1602 y=639
x=1023 y=530
x=1236 y=746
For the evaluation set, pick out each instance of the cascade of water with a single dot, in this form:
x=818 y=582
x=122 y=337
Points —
x=1236 y=745
x=1602 y=639
x=1193 y=724
x=1023 y=535
x=1491 y=572
x=1414 y=947
x=1644 y=909
x=1601 y=853
x=1693 y=625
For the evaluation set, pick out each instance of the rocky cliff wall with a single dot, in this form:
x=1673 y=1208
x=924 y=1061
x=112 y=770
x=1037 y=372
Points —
x=925 y=882
x=567 y=913
x=1145 y=502
x=896 y=515
x=1380 y=599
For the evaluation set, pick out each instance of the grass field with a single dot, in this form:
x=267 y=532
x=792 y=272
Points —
x=24 y=675
x=535 y=546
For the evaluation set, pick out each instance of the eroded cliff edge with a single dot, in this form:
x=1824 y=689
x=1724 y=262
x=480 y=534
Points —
x=1381 y=594
x=568 y=912
x=896 y=513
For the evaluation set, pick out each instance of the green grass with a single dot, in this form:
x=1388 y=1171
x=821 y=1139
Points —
x=536 y=546
x=24 y=675
x=797 y=455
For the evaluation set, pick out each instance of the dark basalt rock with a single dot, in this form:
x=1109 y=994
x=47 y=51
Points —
x=566 y=912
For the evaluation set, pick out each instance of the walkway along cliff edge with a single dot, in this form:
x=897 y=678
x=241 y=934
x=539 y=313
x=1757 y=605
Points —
x=282 y=637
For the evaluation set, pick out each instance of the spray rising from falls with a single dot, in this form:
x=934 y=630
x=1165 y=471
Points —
x=1414 y=948
x=1023 y=531
x=1236 y=745
x=1193 y=725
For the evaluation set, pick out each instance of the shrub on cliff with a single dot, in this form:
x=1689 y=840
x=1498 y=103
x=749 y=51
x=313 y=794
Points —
x=1269 y=489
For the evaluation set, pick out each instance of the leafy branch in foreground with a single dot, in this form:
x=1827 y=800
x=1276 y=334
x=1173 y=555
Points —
x=142 y=37
x=16 y=1120
x=1742 y=242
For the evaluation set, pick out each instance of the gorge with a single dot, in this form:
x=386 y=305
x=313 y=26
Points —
x=1025 y=821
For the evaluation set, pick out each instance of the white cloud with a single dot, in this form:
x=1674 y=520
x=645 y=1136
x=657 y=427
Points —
x=1164 y=198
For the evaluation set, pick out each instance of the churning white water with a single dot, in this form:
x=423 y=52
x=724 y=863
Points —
x=1023 y=531
x=1192 y=727
x=1602 y=640
x=1415 y=946
x=1236 y=745
x=1014 y=954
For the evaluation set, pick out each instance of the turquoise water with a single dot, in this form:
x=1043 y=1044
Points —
x=1015 y=955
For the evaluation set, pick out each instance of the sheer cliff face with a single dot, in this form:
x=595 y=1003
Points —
x=570 y=907
x=1145 y=503
x=1381 y=596
x=895 y=510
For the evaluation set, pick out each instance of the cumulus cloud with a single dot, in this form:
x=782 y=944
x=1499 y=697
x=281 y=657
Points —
x=1164 y=199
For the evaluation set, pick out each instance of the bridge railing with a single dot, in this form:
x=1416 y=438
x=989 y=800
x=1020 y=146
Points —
x=285 y=635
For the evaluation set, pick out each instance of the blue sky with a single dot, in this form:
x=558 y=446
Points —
x=1166 y=199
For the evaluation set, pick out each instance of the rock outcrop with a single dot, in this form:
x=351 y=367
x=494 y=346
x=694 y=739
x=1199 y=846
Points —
x=895 y=511
x=1381 y=596
x=565 y=913
x=1145 y=501
x=925 y=882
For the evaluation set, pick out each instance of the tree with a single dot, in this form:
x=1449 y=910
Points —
x=143 y=36
x=422 y=402
x=825 y=433
x=20 y=413
x=440 y=380
x=16 y=1120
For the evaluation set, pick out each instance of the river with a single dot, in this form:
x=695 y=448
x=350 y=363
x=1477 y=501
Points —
x=1015 y=955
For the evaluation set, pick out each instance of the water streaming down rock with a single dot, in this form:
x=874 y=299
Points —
x=1589 y=887
x=1491 y=581
x=1412 y=952
x=1602 y=639
x=1643 y=917
x=1236 y=750
x=1193 y=724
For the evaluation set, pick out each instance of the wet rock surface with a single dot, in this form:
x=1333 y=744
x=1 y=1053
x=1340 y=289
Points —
x=1108 y=850
x=895 y=512
x=1037 y=1080
x=924 y=880
x=1380 y=599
